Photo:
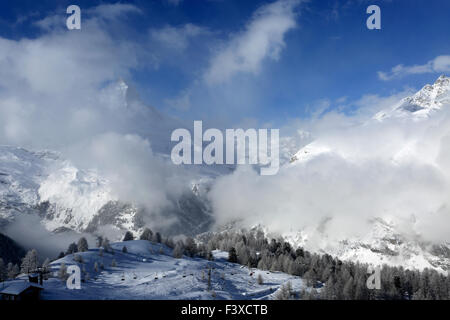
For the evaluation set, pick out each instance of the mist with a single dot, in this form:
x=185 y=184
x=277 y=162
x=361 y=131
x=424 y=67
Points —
x=28 y=232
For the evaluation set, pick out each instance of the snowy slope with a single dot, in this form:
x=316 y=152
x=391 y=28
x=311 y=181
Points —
x=42 y=183
x=421 y=105
x=148 y=271
x=21 y=173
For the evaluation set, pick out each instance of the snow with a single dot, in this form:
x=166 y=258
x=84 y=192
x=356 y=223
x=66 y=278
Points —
x=422 y=104
x=309 y=152
x=148 y=271
x=81 y=192
x=28 y=178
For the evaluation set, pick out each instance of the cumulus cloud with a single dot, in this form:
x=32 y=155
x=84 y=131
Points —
x=440 y=64
x=134 y=172
x=263 y=38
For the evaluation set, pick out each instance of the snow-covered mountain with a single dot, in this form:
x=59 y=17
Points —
x=429 y=99
x=386 y=242
x=418 y=107
x=67 y=197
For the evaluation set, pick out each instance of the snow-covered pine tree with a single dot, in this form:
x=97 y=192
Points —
x=29 y=262
x=62 y=272
x=82 y=245
x=349 y=289
x=178 y=250
x=147 y=234
x=232 y=256
x=210 y=256
x=107 y=245
x=99 y=241
x=285 y=292
x=46 y=268
x=128 y=236
x=73 y=248
x=190 y=247
x=260 y=279
x=13 y=270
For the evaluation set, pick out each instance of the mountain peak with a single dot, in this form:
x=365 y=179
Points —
x=424 y=102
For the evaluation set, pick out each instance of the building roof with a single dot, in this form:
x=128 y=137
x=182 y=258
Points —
x=16 y=287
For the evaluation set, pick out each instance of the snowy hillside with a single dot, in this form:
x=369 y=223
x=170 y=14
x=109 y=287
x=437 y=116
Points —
x=149 y=271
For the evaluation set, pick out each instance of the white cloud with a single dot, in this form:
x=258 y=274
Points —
x=262 y=38
x=177 y=38
x=439 y=64
x=393 y=169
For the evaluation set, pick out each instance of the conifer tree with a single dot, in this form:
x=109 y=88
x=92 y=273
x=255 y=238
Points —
x=82 y=245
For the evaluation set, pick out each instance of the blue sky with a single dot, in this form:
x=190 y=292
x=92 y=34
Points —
x=324 y=52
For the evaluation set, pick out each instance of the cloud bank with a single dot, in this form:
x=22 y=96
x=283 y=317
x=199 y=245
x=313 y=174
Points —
x=397 y=169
